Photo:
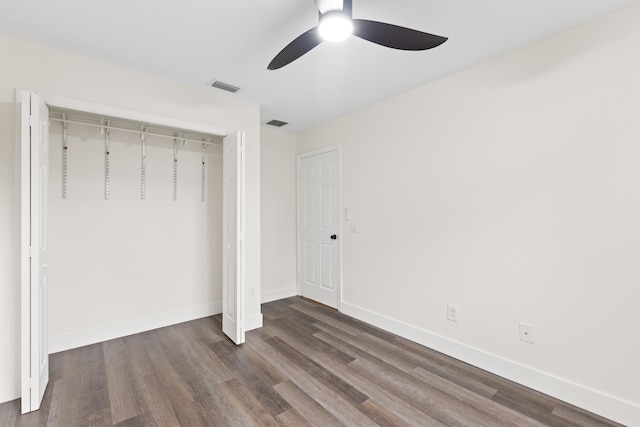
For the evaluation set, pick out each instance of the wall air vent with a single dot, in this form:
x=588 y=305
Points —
x=224 y=86
x=277 y=123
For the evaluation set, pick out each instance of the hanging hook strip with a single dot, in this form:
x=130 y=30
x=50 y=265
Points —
x=143 y=161
x=106 y=160
x=175 y=168
x=65 y=159
x=202 y=174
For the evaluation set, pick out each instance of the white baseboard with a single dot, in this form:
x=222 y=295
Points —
x=253 y=322
x=280 y=293
x=133 y=326
x=9 y=392
x=600 y=403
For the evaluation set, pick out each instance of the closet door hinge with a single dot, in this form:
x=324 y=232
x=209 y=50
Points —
x=30 y=120
x=30 y=252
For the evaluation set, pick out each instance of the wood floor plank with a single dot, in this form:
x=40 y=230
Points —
x=337 y=405
x=457 y=377
x=182 y=397
x=410 y=414
x=155 y=401
x=444 y=408
x=581 y=417
x=65 y=406
x=391 y=402
x=292 y=418
x=309 y=342
x=537 y=409
x=469 y=397
x=381 y=415
x=9 y=412
x=138 y=421
x=211 y=409
x=308 y=366
x=123 y=394
x=456 y=370
x=375 y=347
x=230 y=410
x=200 y=368
x=407 y=361
x=322 y=316
x=75 y=361
x=430 y=403
x=234 y=389
x=306 y=405
x=254 y=374
x=330 y=380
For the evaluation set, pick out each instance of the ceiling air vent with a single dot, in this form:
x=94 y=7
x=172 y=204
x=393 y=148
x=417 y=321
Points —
x=277 y=123
x=225 y=86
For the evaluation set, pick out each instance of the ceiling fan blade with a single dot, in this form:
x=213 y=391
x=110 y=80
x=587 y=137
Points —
x=395 y=37
x=294 y=50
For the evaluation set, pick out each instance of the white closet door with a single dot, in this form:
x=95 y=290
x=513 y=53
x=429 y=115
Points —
x=233 y=238
x=34 y=262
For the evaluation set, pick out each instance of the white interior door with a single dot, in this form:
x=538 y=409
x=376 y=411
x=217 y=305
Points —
x=233 y=237
x=34 y=139
x=319 y=226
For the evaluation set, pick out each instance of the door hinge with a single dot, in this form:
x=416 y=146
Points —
x=30 y=120
x=30 y=251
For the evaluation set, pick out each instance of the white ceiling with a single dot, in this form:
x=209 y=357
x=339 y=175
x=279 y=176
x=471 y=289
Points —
x=233 y=41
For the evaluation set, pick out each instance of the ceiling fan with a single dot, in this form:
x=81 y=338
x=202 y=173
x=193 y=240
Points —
x=336 y=24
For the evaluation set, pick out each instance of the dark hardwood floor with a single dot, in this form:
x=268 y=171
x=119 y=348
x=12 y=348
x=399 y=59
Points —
x=308 y=366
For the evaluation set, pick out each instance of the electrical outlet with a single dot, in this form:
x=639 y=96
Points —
x=452 y=312
x=354 y=228
x=526 y=332
x=253 y=293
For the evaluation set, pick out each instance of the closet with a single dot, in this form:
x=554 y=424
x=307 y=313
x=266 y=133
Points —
x=133 y=224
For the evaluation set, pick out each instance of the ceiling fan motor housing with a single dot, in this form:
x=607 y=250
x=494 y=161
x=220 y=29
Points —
x=325 y=6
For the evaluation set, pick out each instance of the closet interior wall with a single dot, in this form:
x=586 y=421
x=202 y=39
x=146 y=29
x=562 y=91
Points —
x=123 y=265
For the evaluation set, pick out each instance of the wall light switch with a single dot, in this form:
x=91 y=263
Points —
x=347 y=214
x=452 y=313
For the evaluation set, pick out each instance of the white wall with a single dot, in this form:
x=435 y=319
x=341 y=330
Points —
x=29 y=66
x=278 y=189
x=9 y=273
x=511 y=191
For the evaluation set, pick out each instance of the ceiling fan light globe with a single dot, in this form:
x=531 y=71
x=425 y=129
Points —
x=335 y=26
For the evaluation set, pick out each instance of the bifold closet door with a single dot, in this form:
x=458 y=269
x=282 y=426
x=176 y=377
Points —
x=34 y=165
x=233 y=237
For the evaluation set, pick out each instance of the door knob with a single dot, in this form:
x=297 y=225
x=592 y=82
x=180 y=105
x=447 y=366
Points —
x=334 y=237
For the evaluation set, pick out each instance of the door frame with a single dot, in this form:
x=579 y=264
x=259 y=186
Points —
x=338 y=149
x=27 y=347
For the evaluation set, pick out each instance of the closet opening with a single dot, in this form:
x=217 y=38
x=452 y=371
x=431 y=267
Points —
x=130 y=222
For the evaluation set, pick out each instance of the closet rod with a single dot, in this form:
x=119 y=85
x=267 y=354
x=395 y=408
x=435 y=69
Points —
x=133 y=131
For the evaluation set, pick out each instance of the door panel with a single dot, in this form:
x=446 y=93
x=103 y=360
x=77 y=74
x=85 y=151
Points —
x=319 y=219
x=326 y=203
x=40 y=143
x=326 y=258
x=233 y=238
